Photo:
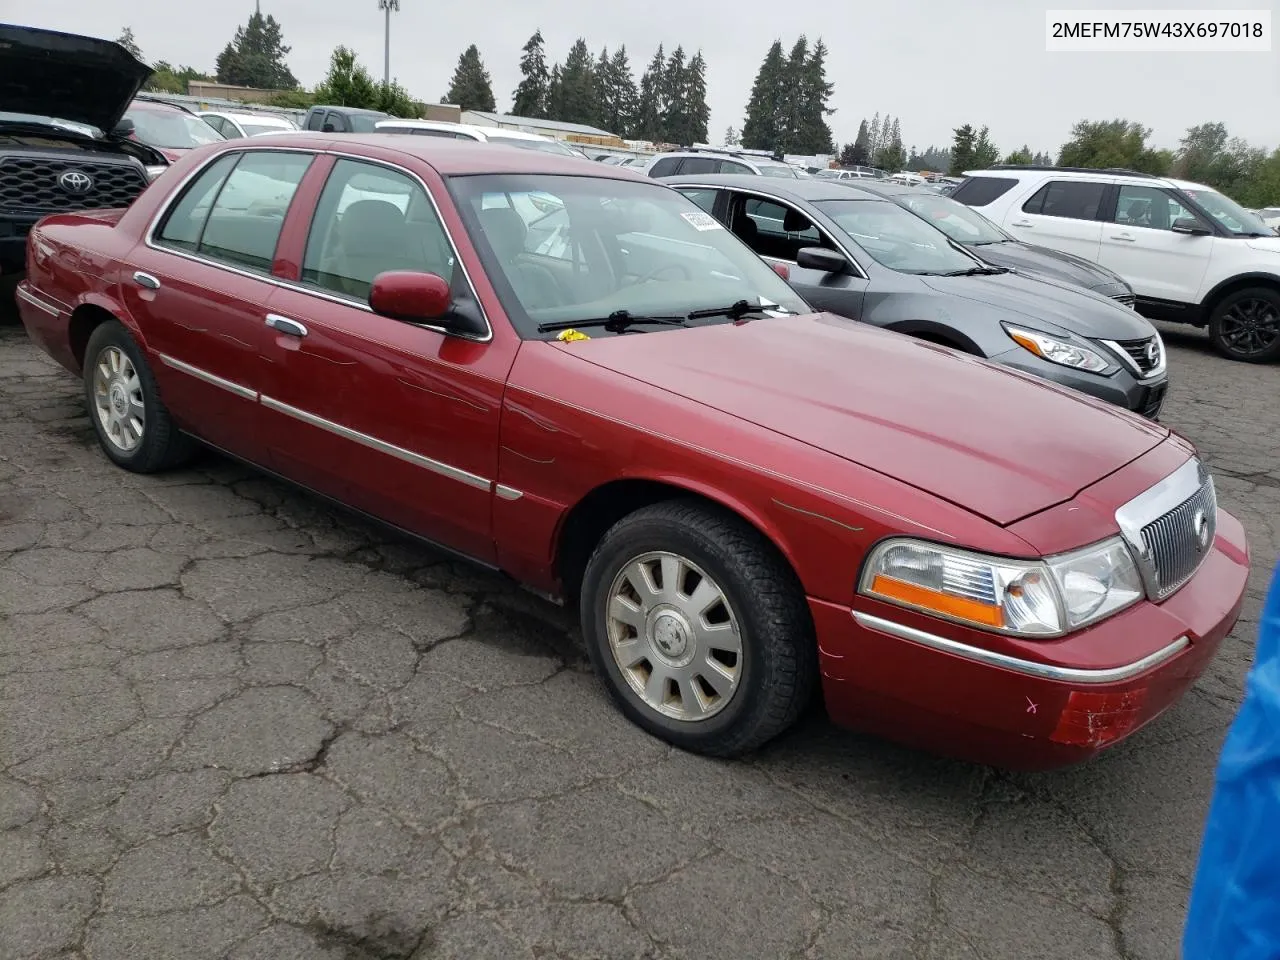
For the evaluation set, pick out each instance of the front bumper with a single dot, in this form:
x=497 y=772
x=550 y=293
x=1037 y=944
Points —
x=1123 y=389
x=1029 y=705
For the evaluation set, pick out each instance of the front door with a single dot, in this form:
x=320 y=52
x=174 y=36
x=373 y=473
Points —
x=200 y=292
x=1139 y=244
x=396 y=419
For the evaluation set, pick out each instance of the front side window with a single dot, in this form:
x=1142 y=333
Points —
x=702 y=196
x=572 y=249
x=781 y=170
x=732 y=166
x=175 y=129
x=782 y=230
x=1229 y=215
x=896 y=238
x=960 y=223
x=1069 y=199
x=234 y=211
x=371 y=219
x=1150 y=207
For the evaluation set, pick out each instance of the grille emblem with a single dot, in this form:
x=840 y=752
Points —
x=1153 y=353
x=1200 y=528
x=75 y=183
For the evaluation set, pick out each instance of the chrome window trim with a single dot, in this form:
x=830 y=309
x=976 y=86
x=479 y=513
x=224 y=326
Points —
x=382 y=446
x=149 y=238
x=229 y=385
x=1030 y=668
x=1155 y=375
x=765 y=195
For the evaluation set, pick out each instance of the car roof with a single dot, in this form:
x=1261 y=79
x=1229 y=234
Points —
x=342 y=109
x=454 y=157
x=464 y=127
x=809 y=190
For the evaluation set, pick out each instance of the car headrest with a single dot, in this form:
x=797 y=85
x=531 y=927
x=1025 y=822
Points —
x=795 y=222
x=372 y=225
x=505 y=231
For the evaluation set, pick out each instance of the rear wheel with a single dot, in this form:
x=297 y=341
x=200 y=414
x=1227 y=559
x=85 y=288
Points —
x=133 y=426
x=1245 y=326
x=698 y=628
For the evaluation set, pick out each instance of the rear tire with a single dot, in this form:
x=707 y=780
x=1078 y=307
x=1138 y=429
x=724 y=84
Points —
x=133 y=425
x=668 y=593
x=1245 y=325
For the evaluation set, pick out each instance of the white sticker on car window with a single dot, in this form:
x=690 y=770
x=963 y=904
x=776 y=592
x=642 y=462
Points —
x=702 y=221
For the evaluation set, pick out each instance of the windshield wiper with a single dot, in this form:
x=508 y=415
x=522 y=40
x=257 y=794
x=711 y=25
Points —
x=977 y=272
x=615 y=322
x=735 y=311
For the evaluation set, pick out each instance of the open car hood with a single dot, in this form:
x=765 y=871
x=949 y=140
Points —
x=52 y=74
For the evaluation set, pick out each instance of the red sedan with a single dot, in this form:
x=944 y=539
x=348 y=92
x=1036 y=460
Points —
x=570 y=373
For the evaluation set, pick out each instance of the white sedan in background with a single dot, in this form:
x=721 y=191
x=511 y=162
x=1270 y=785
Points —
x=233 y=126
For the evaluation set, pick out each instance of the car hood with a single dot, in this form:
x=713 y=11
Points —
x=64 y=75
x=1269 y=244
x=1001 y=444
x=1039 y=301
x=1053 y=264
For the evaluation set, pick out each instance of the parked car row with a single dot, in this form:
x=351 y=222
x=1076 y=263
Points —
x=630 y=394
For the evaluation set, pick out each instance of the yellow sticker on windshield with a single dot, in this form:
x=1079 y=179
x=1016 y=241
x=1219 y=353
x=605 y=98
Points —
x=572 y=335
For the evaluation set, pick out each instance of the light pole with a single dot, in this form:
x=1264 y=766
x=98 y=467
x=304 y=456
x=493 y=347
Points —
x=388 y=6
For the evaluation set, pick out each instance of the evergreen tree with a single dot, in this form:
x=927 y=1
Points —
x=650 y=115
x=873 y=138
x=347 y=84
x=555 y=94
x=255 y=57
x=578 y=86
x=985 y=153
x=695 y=90
x=763 y=128
x=814 y=134
x=675 y=118
x=962 y=150
x=530 y=97
x=606 y=108
x=127 y=41
x=793 y=98
x=891 y=156
x=1022 y=156
x=470 y=87
x=625 y=96
x=731 y=138
x=858 y=153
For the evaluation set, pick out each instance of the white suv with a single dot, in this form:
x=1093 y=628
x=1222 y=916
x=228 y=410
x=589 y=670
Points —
x=1191 y=254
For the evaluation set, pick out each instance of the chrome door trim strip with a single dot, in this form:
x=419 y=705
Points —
x=1030 y=668
x=38 y=303
x=373 y=443
x=229 y=385
x=503 y=492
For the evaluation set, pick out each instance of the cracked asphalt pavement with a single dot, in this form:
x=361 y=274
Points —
x=235 y=722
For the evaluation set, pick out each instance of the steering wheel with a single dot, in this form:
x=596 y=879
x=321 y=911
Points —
x=658 y=271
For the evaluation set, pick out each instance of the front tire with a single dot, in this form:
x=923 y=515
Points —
x=1245 y=326
x=699 y=628
x=133 y=426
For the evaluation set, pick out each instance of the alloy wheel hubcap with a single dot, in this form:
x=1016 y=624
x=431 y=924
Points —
x=674 y=637
x=1250 y=327
x=118 y=402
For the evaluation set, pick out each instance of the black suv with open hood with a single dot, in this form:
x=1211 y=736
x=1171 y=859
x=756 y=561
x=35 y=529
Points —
x=62 y=144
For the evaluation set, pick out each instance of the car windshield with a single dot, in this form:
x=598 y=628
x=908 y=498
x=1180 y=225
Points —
x=175 y=128
x=783 y=170
x=544 y=146
x=73 y=126
x=896 y=238
x=573 y=249
x=960 y=223
x=1229 y=214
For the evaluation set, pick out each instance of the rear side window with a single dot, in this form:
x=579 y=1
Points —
x=664 y=167
x=315 y=120
x=1072 y=199
x=697 y=165
x=732 y=166
x=185 y=222
x=703 y=197
x=979 y=191
x=240 y=216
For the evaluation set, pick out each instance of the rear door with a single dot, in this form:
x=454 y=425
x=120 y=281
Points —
x=201 y=288
x=1063 y=215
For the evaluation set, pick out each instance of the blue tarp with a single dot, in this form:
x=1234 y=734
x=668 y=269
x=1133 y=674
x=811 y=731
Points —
x=1235 y=900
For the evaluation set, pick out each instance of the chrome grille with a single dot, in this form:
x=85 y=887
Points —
x=1145 y=355
x=1177 y=542
x=30 y=184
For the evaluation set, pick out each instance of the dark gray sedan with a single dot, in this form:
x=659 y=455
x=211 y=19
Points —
x=857 y=254
x=993 y=244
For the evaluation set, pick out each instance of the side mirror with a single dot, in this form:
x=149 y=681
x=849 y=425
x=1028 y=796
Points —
x=821 y=259
x=420 y=298
x=1190 y=226
x=124 y=128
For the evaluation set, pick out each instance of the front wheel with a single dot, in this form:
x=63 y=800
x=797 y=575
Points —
x=133 y=426
x=1245 y=326
x=699 y=629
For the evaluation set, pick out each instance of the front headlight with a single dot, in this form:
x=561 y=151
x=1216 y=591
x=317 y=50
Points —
x=1058 y=351
x=155 y=171
x=1025 y=598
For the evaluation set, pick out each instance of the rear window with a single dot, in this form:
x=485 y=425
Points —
x=979 y=191
x=1070 y=199
x=664 y=167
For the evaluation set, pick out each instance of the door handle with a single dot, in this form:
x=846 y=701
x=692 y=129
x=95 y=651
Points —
x=1020 y=223
x=286 y=326
x=1128 y=237
x=146 y=280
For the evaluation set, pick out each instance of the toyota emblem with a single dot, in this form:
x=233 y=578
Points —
x=75 y=183
x=1200 y=528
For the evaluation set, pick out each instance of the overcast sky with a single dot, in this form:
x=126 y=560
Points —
x=934 y=63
